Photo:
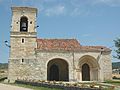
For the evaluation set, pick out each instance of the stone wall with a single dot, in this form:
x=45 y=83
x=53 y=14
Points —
x=37 y=68
x=73 y=59
x=45 y=56
x=106 y=66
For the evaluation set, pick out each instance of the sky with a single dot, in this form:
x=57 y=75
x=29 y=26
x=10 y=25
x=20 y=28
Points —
x=91 y=22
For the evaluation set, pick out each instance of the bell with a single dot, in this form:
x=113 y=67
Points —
x=23 y=24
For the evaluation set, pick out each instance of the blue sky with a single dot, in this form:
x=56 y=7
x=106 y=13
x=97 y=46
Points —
x=92 y=22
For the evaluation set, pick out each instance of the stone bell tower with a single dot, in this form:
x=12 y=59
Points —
x=22 y=39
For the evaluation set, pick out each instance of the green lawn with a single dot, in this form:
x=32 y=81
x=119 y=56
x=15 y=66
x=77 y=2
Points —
x=117 y=82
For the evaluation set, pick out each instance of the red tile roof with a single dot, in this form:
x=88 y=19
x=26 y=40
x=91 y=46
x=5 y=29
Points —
x=57 y=44
x=94 y=48
x=67 y=45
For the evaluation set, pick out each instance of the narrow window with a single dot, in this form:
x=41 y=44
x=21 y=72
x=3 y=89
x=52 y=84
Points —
x=23 y=40
x=22 y=60
x=23 y=24
x=31 y=22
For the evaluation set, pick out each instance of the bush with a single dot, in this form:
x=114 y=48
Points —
x=114 y=77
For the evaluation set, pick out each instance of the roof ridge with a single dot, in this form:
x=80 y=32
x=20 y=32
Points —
x=56 y=39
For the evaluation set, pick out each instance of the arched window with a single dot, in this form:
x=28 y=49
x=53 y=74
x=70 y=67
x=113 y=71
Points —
x=23 y=24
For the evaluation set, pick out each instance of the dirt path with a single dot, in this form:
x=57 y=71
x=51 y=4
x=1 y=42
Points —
x=10 y=87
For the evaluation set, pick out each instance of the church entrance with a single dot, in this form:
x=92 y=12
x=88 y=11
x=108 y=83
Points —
x=85 y=72
x=89 y=68
x=57 y=70
x=54 y=73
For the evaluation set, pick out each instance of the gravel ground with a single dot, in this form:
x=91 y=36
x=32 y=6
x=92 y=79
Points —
x=10 y=87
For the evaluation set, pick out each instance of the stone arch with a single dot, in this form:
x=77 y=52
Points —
x=58 y=57
x=23 y=24
x=60 y=66
x=93 y=65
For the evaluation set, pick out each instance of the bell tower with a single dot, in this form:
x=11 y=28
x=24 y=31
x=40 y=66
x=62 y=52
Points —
x=22 y=39
x=23 y=19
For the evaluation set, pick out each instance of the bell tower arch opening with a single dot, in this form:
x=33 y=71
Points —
x=23 y=24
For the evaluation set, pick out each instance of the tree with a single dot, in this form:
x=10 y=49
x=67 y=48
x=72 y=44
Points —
x=117 y=45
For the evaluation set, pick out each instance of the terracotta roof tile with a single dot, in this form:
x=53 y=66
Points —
x=94 y=48
x=57 y=44
x=67 y=45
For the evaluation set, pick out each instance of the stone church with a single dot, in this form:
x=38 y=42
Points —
x=52 y=59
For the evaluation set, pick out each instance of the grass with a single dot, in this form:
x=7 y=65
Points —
x=113 y=82
x=35 y=87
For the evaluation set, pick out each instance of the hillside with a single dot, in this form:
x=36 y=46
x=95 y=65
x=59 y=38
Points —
x=3 y=65
x=115 y=65
x=3 y=70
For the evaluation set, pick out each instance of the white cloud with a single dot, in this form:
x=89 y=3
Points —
x=79 y=3
x=79 y=12
x=63 y=7
x=49 y=0
x=87 y=35
x=47 y=7
x=56 y=10
x=83 y=7
x=113 y=3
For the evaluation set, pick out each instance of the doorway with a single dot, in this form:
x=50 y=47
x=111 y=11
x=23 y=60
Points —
x=85 y=72
x=54 y=73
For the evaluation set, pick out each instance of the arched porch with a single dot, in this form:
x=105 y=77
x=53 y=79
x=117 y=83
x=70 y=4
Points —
x=57 y=69
x=88 y=69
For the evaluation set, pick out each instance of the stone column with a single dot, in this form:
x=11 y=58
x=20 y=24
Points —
x=98 y=74
x=101 y=75
x=77 y=74
x=80 y=73
x=71 y=73
x=91 y=74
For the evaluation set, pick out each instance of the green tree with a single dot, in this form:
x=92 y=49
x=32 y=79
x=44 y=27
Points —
x=117 y=45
